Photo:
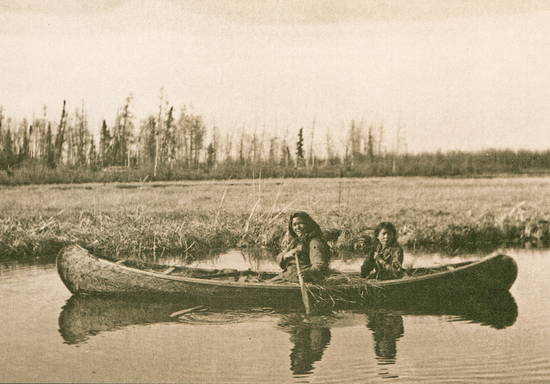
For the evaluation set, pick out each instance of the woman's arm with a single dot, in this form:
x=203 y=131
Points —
x=319 y=255
x=319 y=259
x=288 y=254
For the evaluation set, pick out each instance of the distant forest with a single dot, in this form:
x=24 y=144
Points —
x=167 y=147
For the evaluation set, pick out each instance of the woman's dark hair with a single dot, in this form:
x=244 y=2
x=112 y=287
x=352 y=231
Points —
x=313 y=229
x=388 y=227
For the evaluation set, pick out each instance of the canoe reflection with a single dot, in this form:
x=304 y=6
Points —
x=497 y=310
x=88 y=315
x=85 y=316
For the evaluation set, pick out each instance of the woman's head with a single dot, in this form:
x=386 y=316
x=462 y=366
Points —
x=302 y=224
x=385 y=233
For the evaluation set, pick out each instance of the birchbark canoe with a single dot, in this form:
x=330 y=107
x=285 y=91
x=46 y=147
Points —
x=84 y=273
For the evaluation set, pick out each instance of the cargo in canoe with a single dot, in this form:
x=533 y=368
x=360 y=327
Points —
x=84 y=273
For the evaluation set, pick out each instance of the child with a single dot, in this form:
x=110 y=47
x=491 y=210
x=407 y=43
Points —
x=385 y=255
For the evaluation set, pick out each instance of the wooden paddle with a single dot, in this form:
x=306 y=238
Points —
x=305 y=297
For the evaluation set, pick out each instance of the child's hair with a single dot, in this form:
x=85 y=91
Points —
x=388 y=227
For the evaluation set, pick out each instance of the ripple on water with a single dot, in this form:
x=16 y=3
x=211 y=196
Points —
x=206 y=317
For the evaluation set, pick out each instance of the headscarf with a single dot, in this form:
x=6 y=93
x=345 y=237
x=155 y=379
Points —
x=314 y=230
x=300 y=243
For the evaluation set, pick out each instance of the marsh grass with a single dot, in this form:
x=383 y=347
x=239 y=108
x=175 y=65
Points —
x=149 y=220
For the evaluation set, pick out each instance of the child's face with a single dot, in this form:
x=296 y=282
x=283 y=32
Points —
x=385 y=237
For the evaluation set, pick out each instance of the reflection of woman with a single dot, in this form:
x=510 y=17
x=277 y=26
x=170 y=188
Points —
x=310 y=341
x=308 y=244
x=309 y=345
x=386 y=330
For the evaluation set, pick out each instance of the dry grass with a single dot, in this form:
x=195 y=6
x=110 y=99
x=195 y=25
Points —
x=146 y=219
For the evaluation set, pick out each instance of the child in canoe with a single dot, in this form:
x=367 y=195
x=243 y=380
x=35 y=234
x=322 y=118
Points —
x=385 y=258
x=307 y=242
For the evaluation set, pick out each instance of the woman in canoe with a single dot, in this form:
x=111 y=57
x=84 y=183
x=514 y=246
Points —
x=306 y=241
x=385 y=258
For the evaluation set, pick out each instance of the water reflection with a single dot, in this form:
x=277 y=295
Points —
x=9 y=266
x=309 y=339
x=85 y=316
x=497 y=310
x=386 y=329
x=385 y=321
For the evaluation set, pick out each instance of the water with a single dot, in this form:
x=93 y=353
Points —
x=49 y=336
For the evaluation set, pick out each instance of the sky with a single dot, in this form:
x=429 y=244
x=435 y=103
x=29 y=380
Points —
x=449 y=75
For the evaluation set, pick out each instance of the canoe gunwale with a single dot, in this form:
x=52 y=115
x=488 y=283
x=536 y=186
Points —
x=160 y=275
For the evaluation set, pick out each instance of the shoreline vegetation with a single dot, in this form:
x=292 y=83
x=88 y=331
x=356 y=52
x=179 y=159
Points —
x=190 y=218
x=482 y=164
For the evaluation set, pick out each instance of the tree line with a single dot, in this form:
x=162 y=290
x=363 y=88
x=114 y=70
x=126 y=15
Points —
x=176 y=145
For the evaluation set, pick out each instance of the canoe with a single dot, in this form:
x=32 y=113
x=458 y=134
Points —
x=84 y=273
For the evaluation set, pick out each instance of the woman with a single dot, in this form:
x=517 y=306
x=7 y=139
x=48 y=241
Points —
x=307 y=242
x=385 y=256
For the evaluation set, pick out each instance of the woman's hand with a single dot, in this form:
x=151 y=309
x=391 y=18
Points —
x=309 y=274
x=290 y=254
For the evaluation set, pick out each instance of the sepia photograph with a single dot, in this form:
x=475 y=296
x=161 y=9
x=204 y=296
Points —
x=283 y=191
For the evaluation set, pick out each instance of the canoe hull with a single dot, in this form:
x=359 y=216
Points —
x=494 y=273
x=84 y=273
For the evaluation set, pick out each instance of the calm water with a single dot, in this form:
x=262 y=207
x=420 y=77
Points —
x=47 y=336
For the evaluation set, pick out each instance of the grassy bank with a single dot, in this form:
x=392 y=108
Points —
x=144 y=219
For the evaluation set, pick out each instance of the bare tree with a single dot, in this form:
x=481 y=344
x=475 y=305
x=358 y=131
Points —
x=228 y=147
x=369 y=146
x=81 y=136
x=353 y=146
x=123 y=134
x=273 y=151
x=158 y=133
x=311 y=156
x=148 y=140
x=329 y=150
x=380 y=138
x=193 y=131
x=49 y=150
x=105 y=153
x=60 y=136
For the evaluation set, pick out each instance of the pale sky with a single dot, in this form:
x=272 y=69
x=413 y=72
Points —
x=453 y=74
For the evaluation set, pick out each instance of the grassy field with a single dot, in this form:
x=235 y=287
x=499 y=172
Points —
x=139 y=220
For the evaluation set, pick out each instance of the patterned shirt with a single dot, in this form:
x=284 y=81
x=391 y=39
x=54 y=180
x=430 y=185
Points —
x=387 y=262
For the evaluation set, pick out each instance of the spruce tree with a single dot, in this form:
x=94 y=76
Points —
x=300 y=147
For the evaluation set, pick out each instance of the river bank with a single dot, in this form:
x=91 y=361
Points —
x=140 y=220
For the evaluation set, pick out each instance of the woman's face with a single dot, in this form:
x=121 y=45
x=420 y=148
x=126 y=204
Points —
x=385 y=237
x=299 y=226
